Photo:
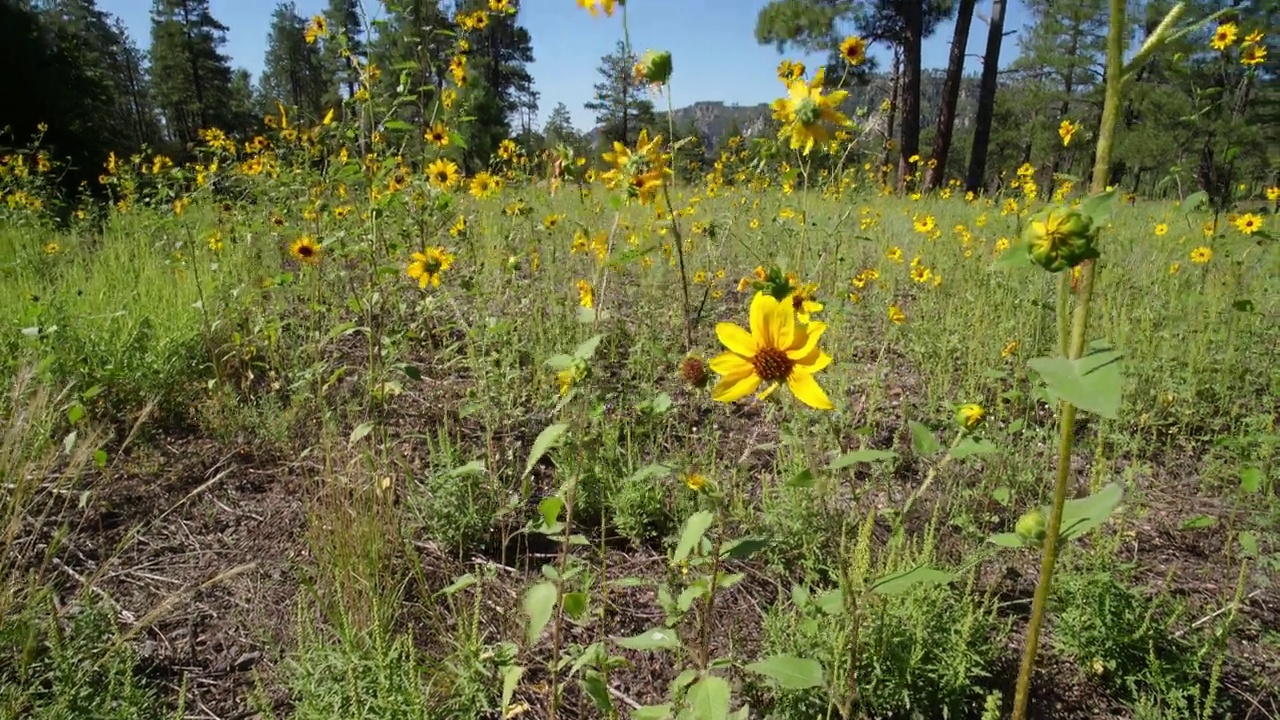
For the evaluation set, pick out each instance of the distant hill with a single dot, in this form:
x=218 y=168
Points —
x=715 y=119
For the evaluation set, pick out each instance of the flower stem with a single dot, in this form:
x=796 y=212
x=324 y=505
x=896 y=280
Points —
x=1075 y=348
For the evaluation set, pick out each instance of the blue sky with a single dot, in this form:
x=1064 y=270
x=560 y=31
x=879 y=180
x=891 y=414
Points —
x=712 y=42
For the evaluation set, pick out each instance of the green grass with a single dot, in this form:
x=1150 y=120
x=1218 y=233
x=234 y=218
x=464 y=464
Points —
x=408 y=416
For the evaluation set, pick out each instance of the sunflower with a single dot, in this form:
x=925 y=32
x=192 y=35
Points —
x=596 y=6
x=586 y=295
x=1252 y=54
x=1161 y=229
x=484 y=185
x=775 y=350
x=306 y=250
x=1273 y=193
x=854 y=50
x=1224 y=36
x=805 y=109
x=426 y=266
x=805 y=302
x=1201 y=255
x=1248 y=223
x=1066 y=131
x=442 y=173
x=399 y=180
x=438 y=135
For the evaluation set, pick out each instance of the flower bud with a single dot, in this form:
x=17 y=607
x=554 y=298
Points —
x=970 y=416
x=655 y=67
x=1058 y=238
x=1031 y=527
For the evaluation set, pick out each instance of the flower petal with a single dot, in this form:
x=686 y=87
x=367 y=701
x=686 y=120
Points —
x=736 y=339
x=735 y=387
x=762 y=307
x=729 y=364
x=815 y=361
x=807 y=390
x=783 y=324
x=806 y=340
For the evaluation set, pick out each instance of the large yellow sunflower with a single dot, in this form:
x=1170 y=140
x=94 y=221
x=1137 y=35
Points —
x=805 y=110
x=442 y=173
x=776 y=350
x=305 y=250
x=426 y=266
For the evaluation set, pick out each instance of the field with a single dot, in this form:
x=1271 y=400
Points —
x=254 y=468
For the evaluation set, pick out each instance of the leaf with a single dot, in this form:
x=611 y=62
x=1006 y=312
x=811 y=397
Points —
x=397 y=125
x=549 y=508
x=99 y=458
x=1013 y=258
x=595 y=688
x=743 y=548
x=1092 y=383
x=360 y=431
x=1002 y=495
x=1199 y=522
x=462 y=583
x=694 y=528
x=1251 y=479
x=1082 y=515
x=923 y=441
x=789 y=671
x=802 y=479
x=475 y=467
x=575 y=604
x=899 y=582
x=708 y=699
x=1099 y=207
x=1248 y=544
x=549 y=436
x=649 y=472
x=970 y=447
x=75 y=413
x=1243 y=305
x=864 y=455
x=510 y=679
x=1009 y=540
x=587 y=348
x=656 y=639
x=560 y=361
x=539 y=602
x=652 y=712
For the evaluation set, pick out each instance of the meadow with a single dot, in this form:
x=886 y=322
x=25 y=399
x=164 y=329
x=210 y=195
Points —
x=295 y=432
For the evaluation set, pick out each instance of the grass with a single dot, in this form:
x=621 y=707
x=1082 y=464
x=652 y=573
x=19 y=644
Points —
x=336 y=502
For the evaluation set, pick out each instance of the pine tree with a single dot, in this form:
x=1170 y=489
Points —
x=951 y=93
x=294 y=71
x=191 y=78
x=619 y=102
x=976 y=173
x=500 y=86
x=345 y=30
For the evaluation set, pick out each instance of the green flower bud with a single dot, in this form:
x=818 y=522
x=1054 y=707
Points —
x=1031 y=527
x=1058 y=238
x=655 y=67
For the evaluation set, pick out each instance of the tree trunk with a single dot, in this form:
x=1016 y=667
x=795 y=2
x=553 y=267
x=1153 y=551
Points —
x=950 y=95
x=895 y=81
x=986 y=99
x=912 y=12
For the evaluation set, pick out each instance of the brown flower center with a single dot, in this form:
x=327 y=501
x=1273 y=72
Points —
x=772 y=364
x=306 y=251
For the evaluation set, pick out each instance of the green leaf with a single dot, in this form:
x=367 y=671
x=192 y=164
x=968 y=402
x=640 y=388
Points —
x=510 y=680
x=1092 y=383
x=656 y=639
x=789 y=671
x=544 y=442
x=462 y=583
x=1082 y=515
x=75 y=413
x=575 y=604
x=1199 y=522
x=923 y=441
x=475 y=467
x=596 y=689
x=100 y=458
x=969 y=447
x=864 y=455
x=587 y=348
x=549 y=508
x=539 y=602
x=899 y=582
x=650 y=472
x=1098 y=208
x=694 y=528
x=652 y=712
x=708 y=699
x=1251 y=479
x=1248 y=544
x=560 y=361
x=397 y=125
x=1009 y=540
x=744 y=548
x=1013 y=258
x=802 y=479
x=360 y=431
x=1002 y=495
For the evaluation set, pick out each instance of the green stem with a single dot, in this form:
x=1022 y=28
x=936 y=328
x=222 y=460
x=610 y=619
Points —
x=1079 y=326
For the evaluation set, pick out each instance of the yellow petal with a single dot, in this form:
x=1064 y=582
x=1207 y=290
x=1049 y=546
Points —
x=762 y=306
x=783 y=324
x=729 y=364
x=813 y=362
x=735 y=387
x=807 y=391
x=736 y=339
x=806 y=340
